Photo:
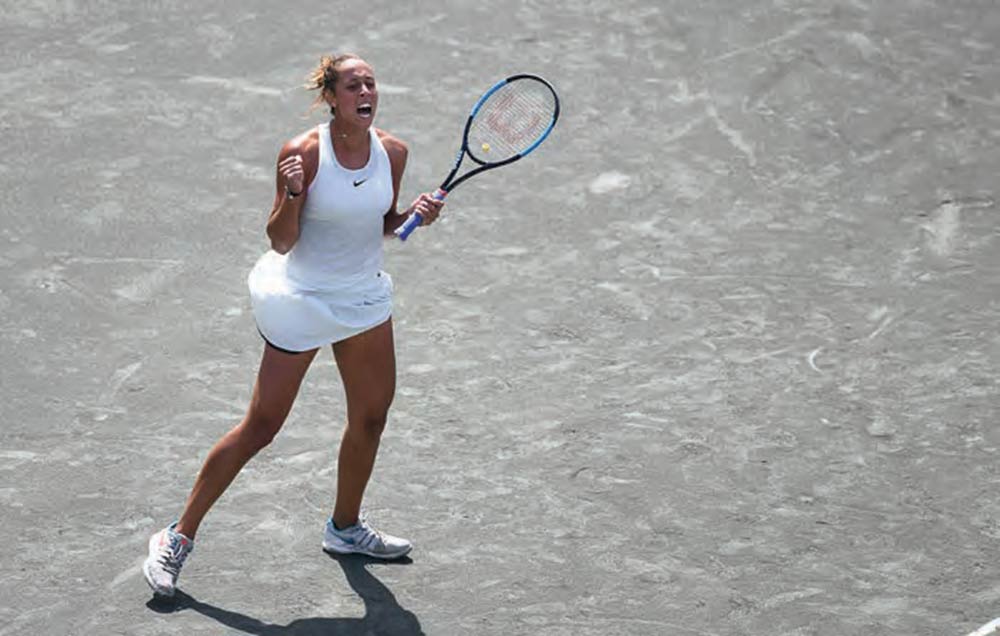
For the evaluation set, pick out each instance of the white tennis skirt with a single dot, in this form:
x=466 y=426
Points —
x=298 y=319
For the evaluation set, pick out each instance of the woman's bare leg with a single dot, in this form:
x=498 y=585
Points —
x=277 y=384
x=367 y=364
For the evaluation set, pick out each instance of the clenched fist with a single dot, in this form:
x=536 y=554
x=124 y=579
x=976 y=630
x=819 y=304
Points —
x=291 y=169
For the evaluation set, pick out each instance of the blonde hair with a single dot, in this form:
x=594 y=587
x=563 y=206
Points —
x=324 y=77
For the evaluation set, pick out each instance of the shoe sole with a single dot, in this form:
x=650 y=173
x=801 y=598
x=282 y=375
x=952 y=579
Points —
x=375 y=555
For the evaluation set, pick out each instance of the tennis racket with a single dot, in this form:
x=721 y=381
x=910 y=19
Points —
x=509 y=121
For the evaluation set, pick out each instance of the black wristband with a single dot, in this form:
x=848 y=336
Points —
x=290 y=194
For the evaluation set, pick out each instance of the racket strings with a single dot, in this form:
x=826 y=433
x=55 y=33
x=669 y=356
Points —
x=511 y=120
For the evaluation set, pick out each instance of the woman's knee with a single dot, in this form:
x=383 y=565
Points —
x=259 y=429
x=370 y=424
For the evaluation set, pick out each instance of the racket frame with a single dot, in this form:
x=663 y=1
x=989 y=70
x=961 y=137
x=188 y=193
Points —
x=448 y=185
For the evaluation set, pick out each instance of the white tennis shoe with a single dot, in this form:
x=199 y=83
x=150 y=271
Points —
x=167 y=553
x=361 y=538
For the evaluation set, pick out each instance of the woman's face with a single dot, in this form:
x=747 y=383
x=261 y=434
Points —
x=354 y=96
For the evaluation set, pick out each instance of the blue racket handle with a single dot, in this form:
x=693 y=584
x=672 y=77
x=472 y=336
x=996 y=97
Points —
x=412 y=223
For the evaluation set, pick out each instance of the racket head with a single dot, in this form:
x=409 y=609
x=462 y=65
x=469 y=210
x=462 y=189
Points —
x=511 y=119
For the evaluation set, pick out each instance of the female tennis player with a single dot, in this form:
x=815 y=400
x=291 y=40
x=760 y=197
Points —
x=320 y=284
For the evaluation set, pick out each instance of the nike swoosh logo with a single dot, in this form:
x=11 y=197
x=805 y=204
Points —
x=359 y=182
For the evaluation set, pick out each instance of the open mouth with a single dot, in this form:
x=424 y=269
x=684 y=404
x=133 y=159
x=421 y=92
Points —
x=365 y=110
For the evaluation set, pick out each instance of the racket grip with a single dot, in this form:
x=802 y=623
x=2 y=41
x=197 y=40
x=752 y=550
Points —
x=412 y=223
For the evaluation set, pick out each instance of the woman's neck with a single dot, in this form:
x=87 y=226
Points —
x=351 y=138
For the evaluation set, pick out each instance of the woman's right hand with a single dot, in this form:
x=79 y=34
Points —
x=291 y=169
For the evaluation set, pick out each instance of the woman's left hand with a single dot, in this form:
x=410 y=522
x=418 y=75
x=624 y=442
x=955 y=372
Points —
x=428 y=207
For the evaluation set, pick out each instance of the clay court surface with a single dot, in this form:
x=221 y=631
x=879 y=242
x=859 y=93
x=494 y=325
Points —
x=720 y=358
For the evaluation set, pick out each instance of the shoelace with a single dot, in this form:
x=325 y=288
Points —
x=371 y=534
x=172 y=557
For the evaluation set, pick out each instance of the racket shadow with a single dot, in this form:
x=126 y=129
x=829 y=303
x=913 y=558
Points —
x=383 y=614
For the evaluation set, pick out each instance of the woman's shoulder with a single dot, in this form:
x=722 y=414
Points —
x=394 y=146
x=304 y=143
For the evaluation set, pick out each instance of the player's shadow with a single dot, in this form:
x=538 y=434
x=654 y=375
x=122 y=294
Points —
x=383 y=615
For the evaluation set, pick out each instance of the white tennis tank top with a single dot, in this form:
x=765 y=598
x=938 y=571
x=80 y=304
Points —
x=341 y=223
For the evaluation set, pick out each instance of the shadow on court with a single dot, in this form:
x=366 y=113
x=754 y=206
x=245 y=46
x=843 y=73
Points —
x=383 y=615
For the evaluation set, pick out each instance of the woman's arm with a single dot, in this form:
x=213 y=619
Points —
x=296 y=169
x=398 y=153
x=425 y=203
